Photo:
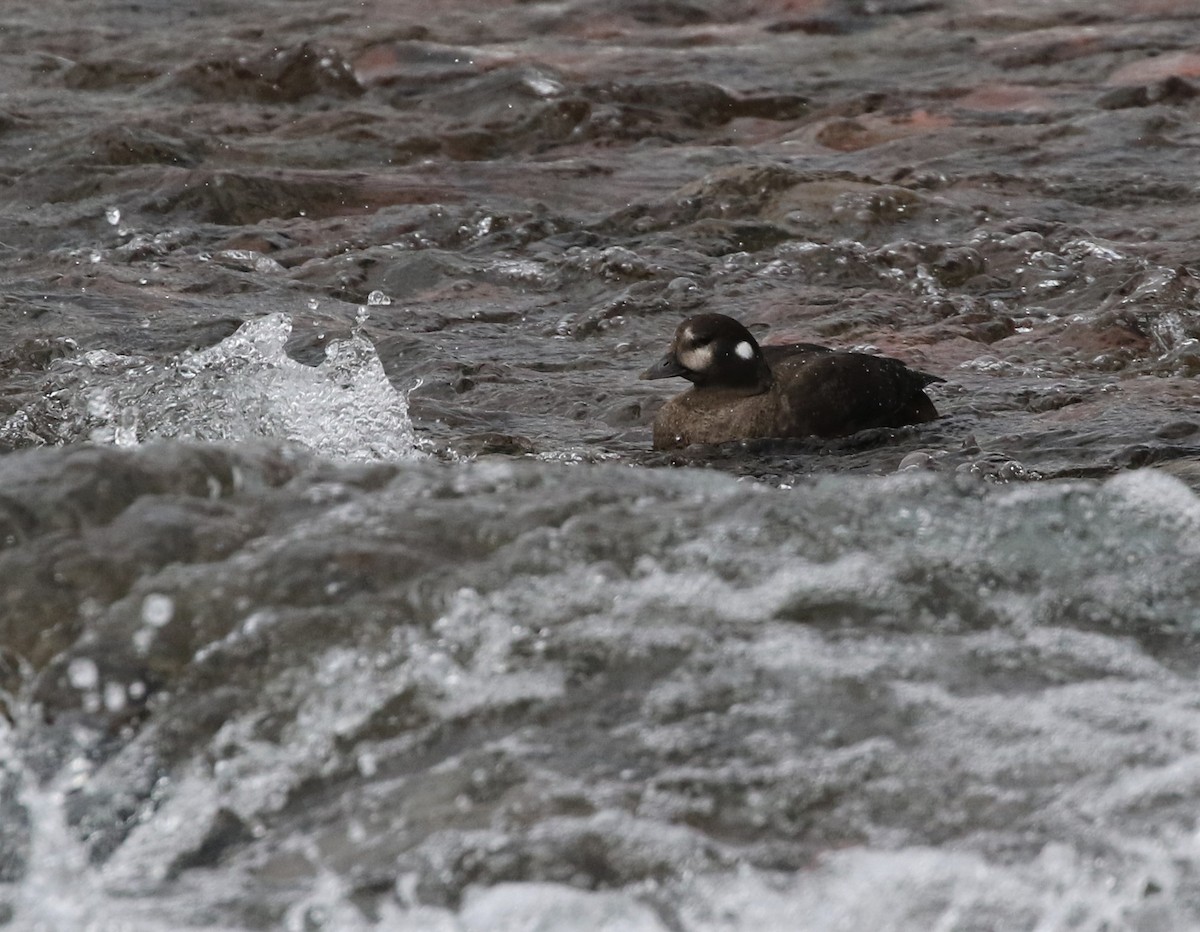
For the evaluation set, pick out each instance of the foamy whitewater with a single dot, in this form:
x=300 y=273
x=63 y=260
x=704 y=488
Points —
x=341 y=588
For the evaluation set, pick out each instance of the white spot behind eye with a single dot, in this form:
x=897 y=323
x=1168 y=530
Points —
x=745 y=350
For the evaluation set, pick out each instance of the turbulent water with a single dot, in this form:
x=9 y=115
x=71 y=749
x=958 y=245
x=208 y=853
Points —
x=340 y=588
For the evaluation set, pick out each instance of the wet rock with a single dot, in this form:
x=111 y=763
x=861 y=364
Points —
x=238 y=198
x=419 y=271
x=818 y=25
x=1140 y=455
x=106 y=74
x=1007 y=97
x=126 y=145
x=1176 y=430
x=984 y=327
x=1171 y=90
x=1061 y=42
x=247 y=260
x=1156 y=302
x=883 y=204
x=610 y=313
x=546 y=126
x=494 y=443
x=1181 y=64
x=225 y=831
x=285 y=75
x=10 y=121
x=958 y=266
x=411 y=62
x=259 y=241
x=624 y=414
x=525 y=110
x=996 y=467
x=727 y=194
x=917 y=460
x=865 y=131
x=1051 y=399
x=772 y=107
x=498 y=96
x=102 y=506
x=666 y=13
x=693 y=104
x=721 y=237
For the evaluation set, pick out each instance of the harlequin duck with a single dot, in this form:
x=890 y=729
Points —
x=741 y=390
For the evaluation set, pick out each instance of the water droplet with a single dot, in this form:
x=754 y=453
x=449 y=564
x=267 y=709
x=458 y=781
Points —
x=142 y=639
x=114 y=697
x=368 y=764
x=113 y=215
x=82 y=673
x=125 y=432
x=157 y=609
x=313 y=304
x=378 y=299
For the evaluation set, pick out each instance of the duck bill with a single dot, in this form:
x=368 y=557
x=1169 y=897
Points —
x=666 y=368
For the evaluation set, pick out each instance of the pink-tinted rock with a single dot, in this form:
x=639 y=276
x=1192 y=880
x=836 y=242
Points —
x=862 y=132
x=1007 y=97
x=1149 y=70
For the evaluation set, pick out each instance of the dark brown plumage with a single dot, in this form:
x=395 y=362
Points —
x=741 y=390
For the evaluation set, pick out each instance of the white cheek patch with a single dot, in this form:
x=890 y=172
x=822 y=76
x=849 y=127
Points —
x=744 y=350
x=697 y=360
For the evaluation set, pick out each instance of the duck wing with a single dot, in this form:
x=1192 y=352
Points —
x=833 y=394
x=777 y=354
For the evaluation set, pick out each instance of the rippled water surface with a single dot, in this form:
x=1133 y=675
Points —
x=340 y=588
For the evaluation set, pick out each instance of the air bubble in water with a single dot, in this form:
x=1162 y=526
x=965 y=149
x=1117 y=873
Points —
x=378 y=299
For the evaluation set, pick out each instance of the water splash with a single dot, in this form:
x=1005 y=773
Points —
x=247 y=386
x=53 y=883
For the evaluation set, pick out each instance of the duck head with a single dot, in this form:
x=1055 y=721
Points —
x=713 y=350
